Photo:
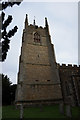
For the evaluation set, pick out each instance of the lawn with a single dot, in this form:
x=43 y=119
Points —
x=36 y=112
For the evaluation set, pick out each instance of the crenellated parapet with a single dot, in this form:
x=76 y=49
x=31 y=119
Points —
x=68 y=66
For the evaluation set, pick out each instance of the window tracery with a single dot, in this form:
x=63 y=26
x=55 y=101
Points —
x=36 y=37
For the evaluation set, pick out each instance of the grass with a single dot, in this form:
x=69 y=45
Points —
x=36 y=112
x=47 y=112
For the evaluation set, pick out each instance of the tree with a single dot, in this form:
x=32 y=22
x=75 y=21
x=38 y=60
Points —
x=6 y=90
x=4 y=35
x=13 y=91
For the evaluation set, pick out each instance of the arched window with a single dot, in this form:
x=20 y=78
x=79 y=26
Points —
x=36 y=37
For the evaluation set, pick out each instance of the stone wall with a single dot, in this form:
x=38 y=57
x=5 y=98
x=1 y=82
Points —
x=41 y=92
x=38 y=77
x=70 y=83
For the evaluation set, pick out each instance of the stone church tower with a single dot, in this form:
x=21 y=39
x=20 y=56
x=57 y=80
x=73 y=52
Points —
x=38 y=78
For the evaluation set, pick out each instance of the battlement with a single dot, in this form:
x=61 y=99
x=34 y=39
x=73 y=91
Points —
x=67 y=66
x=36 y=26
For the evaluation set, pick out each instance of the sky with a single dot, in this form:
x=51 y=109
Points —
x=63 y=25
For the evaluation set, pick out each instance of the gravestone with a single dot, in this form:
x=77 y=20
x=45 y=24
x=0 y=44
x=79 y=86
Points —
x=21 y=111
x=61 y=108
x=68 y=111
x=41 y=108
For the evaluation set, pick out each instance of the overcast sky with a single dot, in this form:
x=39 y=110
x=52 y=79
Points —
x=63 y=25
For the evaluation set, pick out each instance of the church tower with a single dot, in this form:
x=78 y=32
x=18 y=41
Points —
x=38 y=78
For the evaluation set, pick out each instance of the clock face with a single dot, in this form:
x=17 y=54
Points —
x=36 y=37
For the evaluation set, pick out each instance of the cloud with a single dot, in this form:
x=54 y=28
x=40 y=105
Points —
x=67 y=43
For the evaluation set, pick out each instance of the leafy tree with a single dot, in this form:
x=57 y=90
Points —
x=13 y=91
x=4 y=35
x=6 y=90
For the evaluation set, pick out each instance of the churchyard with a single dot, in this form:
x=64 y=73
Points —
x=11 y=112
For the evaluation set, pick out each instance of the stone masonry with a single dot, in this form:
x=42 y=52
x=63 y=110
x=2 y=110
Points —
x=70 y=83
x=40 y=78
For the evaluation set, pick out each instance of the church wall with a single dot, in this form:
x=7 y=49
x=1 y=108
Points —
x=42 y=92
x=38 y=77
x=42 y=73
x=29 y=35
x=70 y=83
x=36 y=54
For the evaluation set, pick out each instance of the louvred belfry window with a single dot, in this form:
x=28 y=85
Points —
x=36 y=37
